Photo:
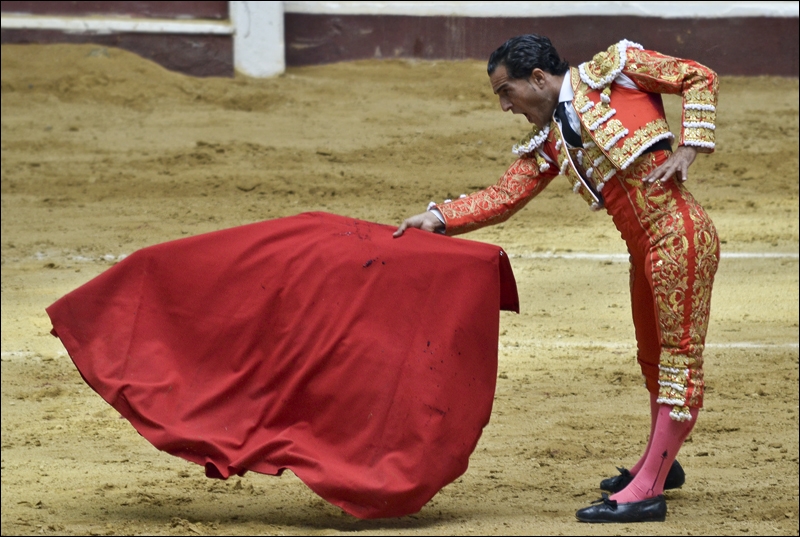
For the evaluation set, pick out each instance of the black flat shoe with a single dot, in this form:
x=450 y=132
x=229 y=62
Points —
x=675 y=479
x=605 y=510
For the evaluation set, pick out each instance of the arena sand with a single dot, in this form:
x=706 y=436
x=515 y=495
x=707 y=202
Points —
x=104 y=153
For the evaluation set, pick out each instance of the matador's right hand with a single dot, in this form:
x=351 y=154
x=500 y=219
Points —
x=426 y=221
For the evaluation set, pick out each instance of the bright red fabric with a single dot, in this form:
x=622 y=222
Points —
x=364 y=364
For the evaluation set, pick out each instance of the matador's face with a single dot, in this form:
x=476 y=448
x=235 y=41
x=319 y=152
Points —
x=534 y=97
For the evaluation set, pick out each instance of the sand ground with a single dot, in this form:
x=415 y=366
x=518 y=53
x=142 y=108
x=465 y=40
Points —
x=104 y=153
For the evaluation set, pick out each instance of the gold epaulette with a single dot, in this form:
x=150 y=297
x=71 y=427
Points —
x=605 y=66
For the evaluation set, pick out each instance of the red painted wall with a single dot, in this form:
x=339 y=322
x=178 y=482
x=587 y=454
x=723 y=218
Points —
x=731 y=46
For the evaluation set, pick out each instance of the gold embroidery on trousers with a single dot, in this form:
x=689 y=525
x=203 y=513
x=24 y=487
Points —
x=679 y=283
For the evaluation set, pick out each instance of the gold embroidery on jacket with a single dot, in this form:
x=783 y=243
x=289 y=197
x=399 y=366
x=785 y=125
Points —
x=703 y=96
x=602 y=64
x=606 y=65
x=697 y=84
x=582 y=103
x=597 y=115
x=604 y=169
x=699 y=116
x=609 y=134
x=518 y=185
x=635 y=144
x=698 y=136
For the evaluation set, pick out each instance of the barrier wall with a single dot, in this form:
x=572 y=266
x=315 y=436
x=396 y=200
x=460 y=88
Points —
x=261 y=38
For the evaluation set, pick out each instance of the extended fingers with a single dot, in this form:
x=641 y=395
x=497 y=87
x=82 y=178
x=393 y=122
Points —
x=666 y=171
x=662 y=173
x=426 y=221
x=400 y=229
x=669 y=173
x=676 y=165
x=680 y=169
x=683 y=174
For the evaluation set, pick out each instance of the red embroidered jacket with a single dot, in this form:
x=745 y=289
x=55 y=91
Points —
x=618 y=124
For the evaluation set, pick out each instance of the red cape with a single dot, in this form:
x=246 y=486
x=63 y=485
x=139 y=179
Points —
x=364 y=364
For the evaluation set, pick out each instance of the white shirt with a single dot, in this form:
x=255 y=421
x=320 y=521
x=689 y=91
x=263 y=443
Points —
x=565 y=96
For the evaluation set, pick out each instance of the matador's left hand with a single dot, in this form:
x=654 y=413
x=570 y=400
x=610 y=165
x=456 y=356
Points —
x=676 y=165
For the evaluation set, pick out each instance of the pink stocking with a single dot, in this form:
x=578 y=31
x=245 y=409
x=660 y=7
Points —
x=653 y=417
x=665 y=442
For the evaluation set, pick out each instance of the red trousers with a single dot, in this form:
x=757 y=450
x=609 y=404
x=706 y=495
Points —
x=674 y=254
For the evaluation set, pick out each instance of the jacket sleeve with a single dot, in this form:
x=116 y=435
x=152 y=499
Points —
x=519 y=184
x=697 y=84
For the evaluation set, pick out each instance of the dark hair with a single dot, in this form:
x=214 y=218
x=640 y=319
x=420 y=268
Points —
x=524 y=53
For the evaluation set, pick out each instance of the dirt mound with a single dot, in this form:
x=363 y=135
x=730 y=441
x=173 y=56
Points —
x=104 y=153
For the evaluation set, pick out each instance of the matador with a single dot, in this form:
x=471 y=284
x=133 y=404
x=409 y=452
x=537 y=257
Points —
x=602 y=126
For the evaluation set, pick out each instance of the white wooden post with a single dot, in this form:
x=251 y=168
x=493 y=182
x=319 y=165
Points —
x=258 y=46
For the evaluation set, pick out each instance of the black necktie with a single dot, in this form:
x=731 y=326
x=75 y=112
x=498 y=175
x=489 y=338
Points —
x=572 y=137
